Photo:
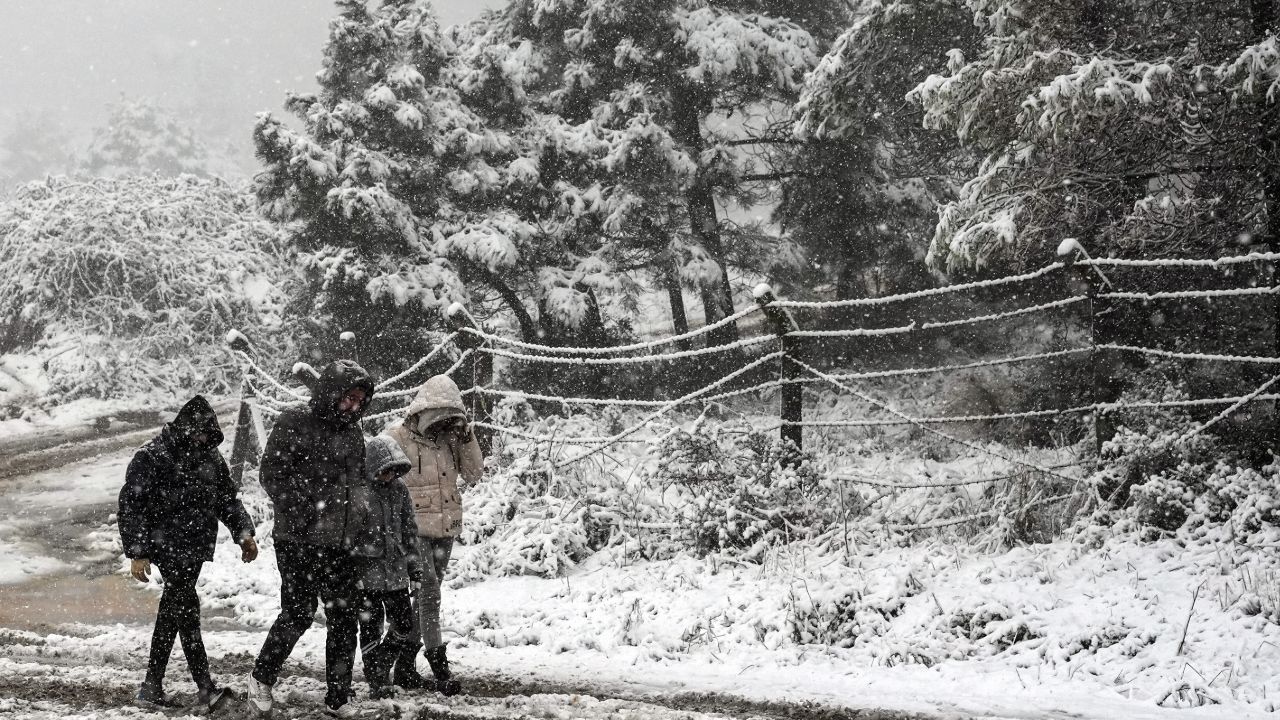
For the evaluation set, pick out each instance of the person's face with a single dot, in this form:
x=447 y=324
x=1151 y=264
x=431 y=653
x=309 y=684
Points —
x=351 y=401
x=386 y=476
x=201 y=439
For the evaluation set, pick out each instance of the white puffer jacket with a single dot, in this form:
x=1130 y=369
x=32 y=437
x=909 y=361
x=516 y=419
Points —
x=438 y=458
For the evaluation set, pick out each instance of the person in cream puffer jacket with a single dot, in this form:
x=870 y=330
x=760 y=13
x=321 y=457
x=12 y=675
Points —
x=437 y=438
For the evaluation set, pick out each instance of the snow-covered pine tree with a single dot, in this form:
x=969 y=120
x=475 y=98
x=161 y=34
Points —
x=865 y=179
x=141 y=137
x=1106 y=121
x=417 y=181
x=360 y=185
x=1142 y=128
x=669 y=84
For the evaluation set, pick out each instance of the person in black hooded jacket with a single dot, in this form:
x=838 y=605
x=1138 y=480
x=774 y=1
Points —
x=176 y=489
x=313 y=470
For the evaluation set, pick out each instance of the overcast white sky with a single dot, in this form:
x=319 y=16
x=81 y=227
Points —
x=218 y=62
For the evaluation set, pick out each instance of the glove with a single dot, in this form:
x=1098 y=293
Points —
x=140 y=568
x=248 y=549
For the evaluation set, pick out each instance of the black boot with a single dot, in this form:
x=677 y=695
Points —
x=445 y=684
x=377 y=671
x=405 y=671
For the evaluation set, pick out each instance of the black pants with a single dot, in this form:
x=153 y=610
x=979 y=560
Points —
x=395 y=607
x=178 y=616
x=307 y=572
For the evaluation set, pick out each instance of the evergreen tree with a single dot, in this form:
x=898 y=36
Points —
x=864 y=182
x=668 y=85
x=140 y=137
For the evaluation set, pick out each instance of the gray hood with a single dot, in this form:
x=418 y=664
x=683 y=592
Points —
x=384 y=453
x=438 y=399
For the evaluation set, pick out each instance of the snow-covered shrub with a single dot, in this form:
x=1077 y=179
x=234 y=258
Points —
x=741 y=491
x=526 y=519
x=990 y=628
x=127 y=286
x=845 y=618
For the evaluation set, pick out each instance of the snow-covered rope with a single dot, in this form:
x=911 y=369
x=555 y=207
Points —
x=267 y=376
x=860 y=480
x=671 y=405
x=1192 y=356
x=551 y=439
x=1183 y=262
x=263 y=408
x=746 y=342
x=947 y=522
x=1094 y=407
x=427 y=358
x=458 y=363
x=1001 y=316
x=926 y=428
x=275 y=401
x=1181 y=294
x=965 y=366
x=408 y=391
x=1223 y=415
x=1152 y=404
x=854 y=332
x=620 y=348
x=942 y=419
x=944 y=290
x=573 y=400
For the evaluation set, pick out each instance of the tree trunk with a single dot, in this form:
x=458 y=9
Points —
x=528 y=329
x=679 y=321
x=701 y=205
x=1263 y=14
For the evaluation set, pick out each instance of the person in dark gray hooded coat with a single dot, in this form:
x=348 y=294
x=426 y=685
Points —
x=313 y=471
x=388 y=556
x=176 y=490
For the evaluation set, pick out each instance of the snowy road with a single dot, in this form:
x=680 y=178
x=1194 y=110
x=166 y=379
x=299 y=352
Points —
x=74 y=631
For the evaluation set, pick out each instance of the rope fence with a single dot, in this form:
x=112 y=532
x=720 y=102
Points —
x=478 y=350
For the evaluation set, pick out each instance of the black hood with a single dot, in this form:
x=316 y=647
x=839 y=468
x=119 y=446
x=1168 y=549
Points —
x=335 y=380
x=197 y=416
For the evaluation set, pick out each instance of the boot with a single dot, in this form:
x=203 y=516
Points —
x=377 y=671
x=445 y=684
x=405 y=672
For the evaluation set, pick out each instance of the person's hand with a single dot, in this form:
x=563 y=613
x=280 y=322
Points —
x=461 y=430
x=140 y=568
x=248 y=549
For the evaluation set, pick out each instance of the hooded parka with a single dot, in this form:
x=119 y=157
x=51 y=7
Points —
x=388 y=544
x=313 y=465
x=438 y=458
x=176 y=490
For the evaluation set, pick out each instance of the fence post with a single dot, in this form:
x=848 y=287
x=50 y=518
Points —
x=481 y=370
x=1080 y=279
x=244 y=442
x=792 y=404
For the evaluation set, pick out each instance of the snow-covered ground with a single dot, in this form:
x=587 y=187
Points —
x=1066 y=629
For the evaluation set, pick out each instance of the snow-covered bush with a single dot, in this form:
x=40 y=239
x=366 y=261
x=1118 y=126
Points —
x=846 y=618
x=525 y=519
x=740 y=491
x=127 y=286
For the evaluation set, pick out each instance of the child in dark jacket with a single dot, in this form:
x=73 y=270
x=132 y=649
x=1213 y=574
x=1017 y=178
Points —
x=388 y=553
x=176 y=490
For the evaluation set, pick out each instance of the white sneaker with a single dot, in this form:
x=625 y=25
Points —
x=259 y=695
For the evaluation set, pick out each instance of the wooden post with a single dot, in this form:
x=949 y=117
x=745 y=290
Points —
x=1081 y=279
x=791 y=407
x=244 y=442
x=246 y=446
x=481 y=370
